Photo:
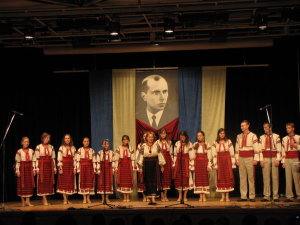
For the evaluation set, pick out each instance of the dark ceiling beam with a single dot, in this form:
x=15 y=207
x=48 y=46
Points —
x=141 y=9
x=160 y=48
x=128 y=31
x=49 y=28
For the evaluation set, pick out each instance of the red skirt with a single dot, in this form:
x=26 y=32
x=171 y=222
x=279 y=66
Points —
x=201 y=174
x=25 y=182
x=225 y=178
x=125 y=176
x=66 y=181
x=105 y=178
x=140 y=182
x=181 y=172
x=46 y=176
x=167 y=174
x=86 y=177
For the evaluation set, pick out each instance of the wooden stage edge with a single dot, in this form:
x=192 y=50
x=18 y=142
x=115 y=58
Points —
x=56 y=205
x=127 y=213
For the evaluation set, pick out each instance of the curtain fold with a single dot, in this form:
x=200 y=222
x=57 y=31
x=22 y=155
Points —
x=190 y=84
x=213 y=101
x=101 y=107
x=123 y=86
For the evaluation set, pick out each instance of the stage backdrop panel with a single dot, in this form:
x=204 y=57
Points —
x=213 y=101
x=101 y=107
x=123 y=81
x=190 y=98
x=157 y=94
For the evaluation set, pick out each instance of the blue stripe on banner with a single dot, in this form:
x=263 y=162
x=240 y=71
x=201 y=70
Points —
x=190 y=95
x=101 y=107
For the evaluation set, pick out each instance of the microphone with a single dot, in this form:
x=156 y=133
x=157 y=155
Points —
x=19 y=113
x=266 y=106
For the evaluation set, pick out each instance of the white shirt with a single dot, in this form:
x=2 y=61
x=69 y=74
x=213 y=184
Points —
x=157 y=119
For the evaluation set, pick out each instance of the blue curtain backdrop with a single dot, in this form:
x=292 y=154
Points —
x=101 y=107
x=190 y=95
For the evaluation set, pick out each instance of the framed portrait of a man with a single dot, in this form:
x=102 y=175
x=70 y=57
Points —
x=157 y=97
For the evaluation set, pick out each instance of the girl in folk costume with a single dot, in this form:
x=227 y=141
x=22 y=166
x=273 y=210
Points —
x=45 y=167
x=224 y=162
x=86 y=168
x=140 y=180
x=66 y=157
x=165 y=146
x=105 y=171
x=25 y=172
x=202 y=158
x=151 y=162
x=182 y=164
x=124 y=163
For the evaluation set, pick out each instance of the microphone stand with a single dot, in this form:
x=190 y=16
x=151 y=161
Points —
x=104 y=184
x=181 y=178
x=2 y=146
x=269 y=117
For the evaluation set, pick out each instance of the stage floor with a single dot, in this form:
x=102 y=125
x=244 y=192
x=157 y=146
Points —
x=56 y=205
x=125 y=213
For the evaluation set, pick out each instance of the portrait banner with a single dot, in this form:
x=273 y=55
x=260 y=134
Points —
x=157 y=102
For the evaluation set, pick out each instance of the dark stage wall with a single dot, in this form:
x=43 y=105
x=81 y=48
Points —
x=59 y=103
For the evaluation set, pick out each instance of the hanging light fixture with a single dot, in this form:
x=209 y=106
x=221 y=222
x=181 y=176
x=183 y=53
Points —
x=169 y=25
x=114 y=28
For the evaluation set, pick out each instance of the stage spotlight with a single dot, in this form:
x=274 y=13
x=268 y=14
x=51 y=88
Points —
x=154 y=43
x=169 y=25
x=28 y=32
x=261 y=22
x=114 y=28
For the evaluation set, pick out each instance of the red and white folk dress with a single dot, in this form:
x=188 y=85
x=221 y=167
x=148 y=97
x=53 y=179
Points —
x=105 y=171
x=167 y=151
x=66 y=182
x=202 y=159
x=87 y=168
x=45 y=165
x=224 y=162
x=124 y=163
x=181 y=164
x=25 y=165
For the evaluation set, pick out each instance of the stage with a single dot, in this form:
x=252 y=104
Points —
x=126 y=212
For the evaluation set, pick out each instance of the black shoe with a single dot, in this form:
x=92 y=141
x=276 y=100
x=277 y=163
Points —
x=242 y=200
x=252 y=200
x=288 y=200
x=276 y=200
x=264 y=200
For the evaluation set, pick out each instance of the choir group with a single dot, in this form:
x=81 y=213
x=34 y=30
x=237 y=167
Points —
x=156 y=163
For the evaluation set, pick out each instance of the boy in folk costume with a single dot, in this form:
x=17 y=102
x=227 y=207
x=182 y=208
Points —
x=182 y=165
x=290 y=155
x=202 y=159
x=247 y=156
x=140 y=180
x=124 y=166
x=105 y=171
x=66 y=157
x=25 y=172
x=45 y=167
x=165 y=145
x=86 y=168
x=270 y=156
x=224 y=163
